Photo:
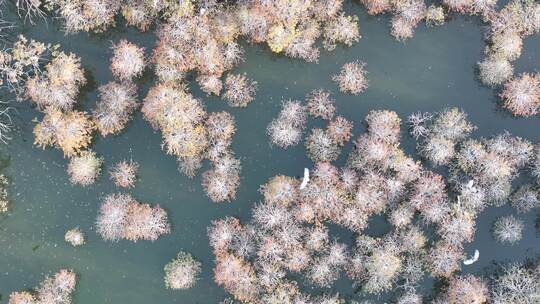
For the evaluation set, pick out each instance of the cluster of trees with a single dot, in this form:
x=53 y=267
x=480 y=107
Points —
x=4 y=201
x=189 y=132
x=193 y=135
x=124 y=173
x=352 y=78
x=182 y=272
x=75 y=237
x=122 y=217
x=521 y=95
x=286 y=130
x=53 y=290
x=507 y=29
x=288 y=232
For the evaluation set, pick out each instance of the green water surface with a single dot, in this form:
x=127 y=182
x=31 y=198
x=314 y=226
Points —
x=433 y=70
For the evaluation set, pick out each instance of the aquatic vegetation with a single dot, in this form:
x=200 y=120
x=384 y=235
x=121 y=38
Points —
x=508 y=27
x=384 y=125
x=457 y=228
x=124 y=174
x=5 y=26
x=435 y=15
x=329 y=299
x=339 y=130
x=221 y=234
x=289 y=292
x=192 y=135
x=406 y=15
x=145 y=222
x=472 y=7
x=508 y=230
x=471 y=199
x=375 y=7
x=202 y=38
x=438 y=149
x=122 y=217
x=323 y=272
x=128 y=60
x=429 y=196
x=288 y=233
x=521 y=95
x=85 y=15
x=4 y=201
x=141 y=14
x=233 y=54
x=382 y=268
x=58 y=86
x=18 y=64
x=401 y=216
x=507 y=44
x=371 y=152
x=293 y=112
x=303 y=44
x=75 y=237
x=520 y=16
x=182 y=272
x=441 y=132
x=22 y=62
x=21 y=297
x=341 y=29
x=320 y=104
x=116 y=104
x=466 y=289
x=71 y=132
x=179 y=116
x=236 y=276
x=6 y=123
x=286 y=130
x=452 y=124
x=417 y=124
x=321 y=147
x=210 y=84
x=280 y=189
x=535 y=164
x=444 y=259
x=352 y=78
x=409 y=298
x=257 y=21
x=495 y=69
x=29 y=10
x=240 y=90
x=53 y=290
x=57 y=289
x=525 y=198
x=221 y=182
x=221 y=128
x=235 y=245
x=483 y=168
x=83 y=169
x=516 y=283
x=289 y=237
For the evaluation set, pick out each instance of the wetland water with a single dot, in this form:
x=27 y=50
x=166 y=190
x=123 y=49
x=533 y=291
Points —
x=433 y=70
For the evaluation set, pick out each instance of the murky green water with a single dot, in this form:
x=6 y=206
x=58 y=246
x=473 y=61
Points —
x=435 y=69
